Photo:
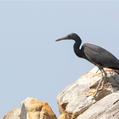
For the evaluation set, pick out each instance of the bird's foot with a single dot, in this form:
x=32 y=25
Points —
x=92 y=93
x=97 y=70
x=95 y=93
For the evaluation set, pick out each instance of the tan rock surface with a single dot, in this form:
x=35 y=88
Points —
x=34 y=109
x=14 y=114
x=64 y=116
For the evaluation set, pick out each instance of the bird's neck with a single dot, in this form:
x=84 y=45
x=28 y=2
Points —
x=77 y=49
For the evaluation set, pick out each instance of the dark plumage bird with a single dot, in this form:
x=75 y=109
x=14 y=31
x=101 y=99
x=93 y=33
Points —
x=93 y=53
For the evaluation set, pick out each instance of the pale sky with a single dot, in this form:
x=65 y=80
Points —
x=32 y=64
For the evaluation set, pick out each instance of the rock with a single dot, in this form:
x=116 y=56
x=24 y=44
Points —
x=78 y=100
x=106 y=108
x=14 y=114
x=34 y=109
x=64 y=116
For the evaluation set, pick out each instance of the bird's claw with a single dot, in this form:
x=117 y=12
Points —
x=92 y=92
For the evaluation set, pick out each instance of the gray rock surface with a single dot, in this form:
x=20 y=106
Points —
x=106 y=108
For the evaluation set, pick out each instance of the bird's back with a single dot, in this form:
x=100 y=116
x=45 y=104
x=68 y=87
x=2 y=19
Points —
x=99 y=56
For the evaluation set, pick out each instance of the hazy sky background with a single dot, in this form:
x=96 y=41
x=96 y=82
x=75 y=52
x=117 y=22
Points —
x=32 y=64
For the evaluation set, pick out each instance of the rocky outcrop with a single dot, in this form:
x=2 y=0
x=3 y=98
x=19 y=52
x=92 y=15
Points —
x=14 y=114
x=79 y=102
x=106 y=108
x=32 y=108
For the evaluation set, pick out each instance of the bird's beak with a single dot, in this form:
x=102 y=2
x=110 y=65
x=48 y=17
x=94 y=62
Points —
x=63 y=38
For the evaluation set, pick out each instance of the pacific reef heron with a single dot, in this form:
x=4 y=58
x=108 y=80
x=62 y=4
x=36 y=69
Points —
x=93 y=53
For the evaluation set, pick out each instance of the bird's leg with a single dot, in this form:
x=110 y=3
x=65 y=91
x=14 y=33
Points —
x=101 y=82
x=105 y=74
x=103 y=78
x=97 y=70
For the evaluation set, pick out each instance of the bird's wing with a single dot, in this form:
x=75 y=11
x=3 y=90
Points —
x=99 y=55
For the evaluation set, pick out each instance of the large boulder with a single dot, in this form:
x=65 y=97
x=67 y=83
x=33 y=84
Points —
x=78 y=101
x=32 y=108
x=35 y=109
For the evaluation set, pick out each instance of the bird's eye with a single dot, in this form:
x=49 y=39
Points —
x=69 y=36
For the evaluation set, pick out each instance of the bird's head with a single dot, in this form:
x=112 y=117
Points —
x=71 y=36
